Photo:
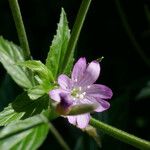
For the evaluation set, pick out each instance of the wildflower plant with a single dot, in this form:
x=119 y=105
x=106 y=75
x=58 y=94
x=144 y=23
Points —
x=80 y=90
x=60 y=87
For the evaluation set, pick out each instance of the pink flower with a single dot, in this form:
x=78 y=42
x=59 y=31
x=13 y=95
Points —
x=80 y=89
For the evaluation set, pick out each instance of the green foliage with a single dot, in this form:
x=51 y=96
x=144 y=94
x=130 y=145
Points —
x=10 y=54
x=36 y=92
x=23 y=108
x=145 y=92
x=59 y=46
x=9 y=115
x=24 y=134
x=79 y=144
x=44 y=78
x=39 y=68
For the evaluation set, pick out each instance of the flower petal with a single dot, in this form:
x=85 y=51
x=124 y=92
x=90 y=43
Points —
x=99 y=91
x=64 y=81
x=55 y=94
x=91 y=101
x=87 y=100
x=104 y=105
x=91 y=74
x=72 y=119
x=78 y=69
x=65 y=101
x=83 y=120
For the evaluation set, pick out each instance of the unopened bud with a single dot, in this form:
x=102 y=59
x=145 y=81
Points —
x=82 y=109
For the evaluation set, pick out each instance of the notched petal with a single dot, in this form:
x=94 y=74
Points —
x=64 y=82
x=91 y=74
x=79 y=69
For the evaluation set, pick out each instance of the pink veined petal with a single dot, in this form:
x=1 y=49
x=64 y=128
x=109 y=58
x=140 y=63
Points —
x=83 y=120
x=90 y=101
x=78 y=70
x=64 y=81
x=99 y=91
x=91 y=74
x=86 y=100
x=72 y=119
x=55 y=94
x=104 y=105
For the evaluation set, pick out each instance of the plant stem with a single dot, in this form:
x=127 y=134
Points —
x=58 y=137
x=20 y=28
x=76 y=31
x=130 y=34
x=147 y=13
x=121 y=135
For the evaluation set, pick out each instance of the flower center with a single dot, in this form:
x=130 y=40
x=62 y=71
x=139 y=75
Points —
x=77 y=93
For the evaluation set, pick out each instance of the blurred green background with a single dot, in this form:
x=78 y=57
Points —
x=115 y=32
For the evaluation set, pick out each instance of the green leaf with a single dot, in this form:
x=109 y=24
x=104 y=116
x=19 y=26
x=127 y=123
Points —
x=79 y=144
x=38 y=67
x=8 y=115
x=10 y=54
x=24 y=134
x=36 y=92
x=40 y=90
x=145 y=92
x=22 y=108
x=69 y=66
x=59 y=46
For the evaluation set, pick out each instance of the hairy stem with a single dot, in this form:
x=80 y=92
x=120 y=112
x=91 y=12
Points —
x=58 y=137
x=76 y=31
x=130 y=34
x=20 y=28
x=121 y=135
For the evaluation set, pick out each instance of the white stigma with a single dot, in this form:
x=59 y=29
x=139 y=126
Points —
x=81 y=96
x=80 y=88
x=84 y=93
x=75 y=80
x=77 y=93
x=88 y=86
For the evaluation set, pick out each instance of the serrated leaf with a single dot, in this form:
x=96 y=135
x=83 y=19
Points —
x=59 y=45
x=22 y=108
x=24 y=134
x=10 y=54
x=38 y=67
